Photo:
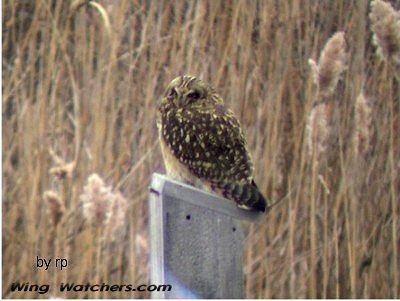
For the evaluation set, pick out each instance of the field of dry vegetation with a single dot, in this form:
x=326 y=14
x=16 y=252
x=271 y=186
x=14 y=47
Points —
x=315 y=85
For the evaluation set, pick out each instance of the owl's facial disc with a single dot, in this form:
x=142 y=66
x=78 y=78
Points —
x=186 y=91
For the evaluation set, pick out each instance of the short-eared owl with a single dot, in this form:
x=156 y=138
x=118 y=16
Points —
x=203 y=145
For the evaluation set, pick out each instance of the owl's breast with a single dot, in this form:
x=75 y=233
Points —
x=177 y=170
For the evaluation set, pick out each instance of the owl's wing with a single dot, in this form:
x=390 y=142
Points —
x=211 y=144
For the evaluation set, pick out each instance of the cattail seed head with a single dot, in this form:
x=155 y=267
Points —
x=331 y=64
x=116 y=218
x=385 y=23
x=363 y=130
x=321 y=124
x=319 y=130
x=96 y=200
x=102 y=206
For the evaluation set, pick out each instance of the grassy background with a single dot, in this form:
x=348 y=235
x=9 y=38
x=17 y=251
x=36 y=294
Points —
x=88 y=91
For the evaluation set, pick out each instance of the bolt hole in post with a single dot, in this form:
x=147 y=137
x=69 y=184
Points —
x=234 y=229
x=188 y=217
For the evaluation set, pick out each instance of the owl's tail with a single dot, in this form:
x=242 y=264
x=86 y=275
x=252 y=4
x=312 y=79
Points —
x=247 y=196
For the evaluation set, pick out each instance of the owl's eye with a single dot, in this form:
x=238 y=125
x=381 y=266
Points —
x=194 y=95
x=172 y=93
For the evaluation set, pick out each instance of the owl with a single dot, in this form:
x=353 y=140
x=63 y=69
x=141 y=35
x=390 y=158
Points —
x=203 y=145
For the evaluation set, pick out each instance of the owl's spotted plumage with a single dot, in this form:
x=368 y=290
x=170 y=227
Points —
x=202 y=143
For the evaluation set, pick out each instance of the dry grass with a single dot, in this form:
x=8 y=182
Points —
x=80 y=87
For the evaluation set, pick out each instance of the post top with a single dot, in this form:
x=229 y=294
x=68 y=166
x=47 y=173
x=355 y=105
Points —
x=163 y=185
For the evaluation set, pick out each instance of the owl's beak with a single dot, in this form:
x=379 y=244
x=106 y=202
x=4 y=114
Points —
x=179 y=99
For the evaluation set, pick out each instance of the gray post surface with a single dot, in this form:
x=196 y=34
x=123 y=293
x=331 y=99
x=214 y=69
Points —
x=196 y=241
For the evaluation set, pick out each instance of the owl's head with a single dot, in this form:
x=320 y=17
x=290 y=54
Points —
x=188 y=91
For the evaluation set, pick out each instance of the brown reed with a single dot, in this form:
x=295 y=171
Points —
x=71 y=87
x=55 y=207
